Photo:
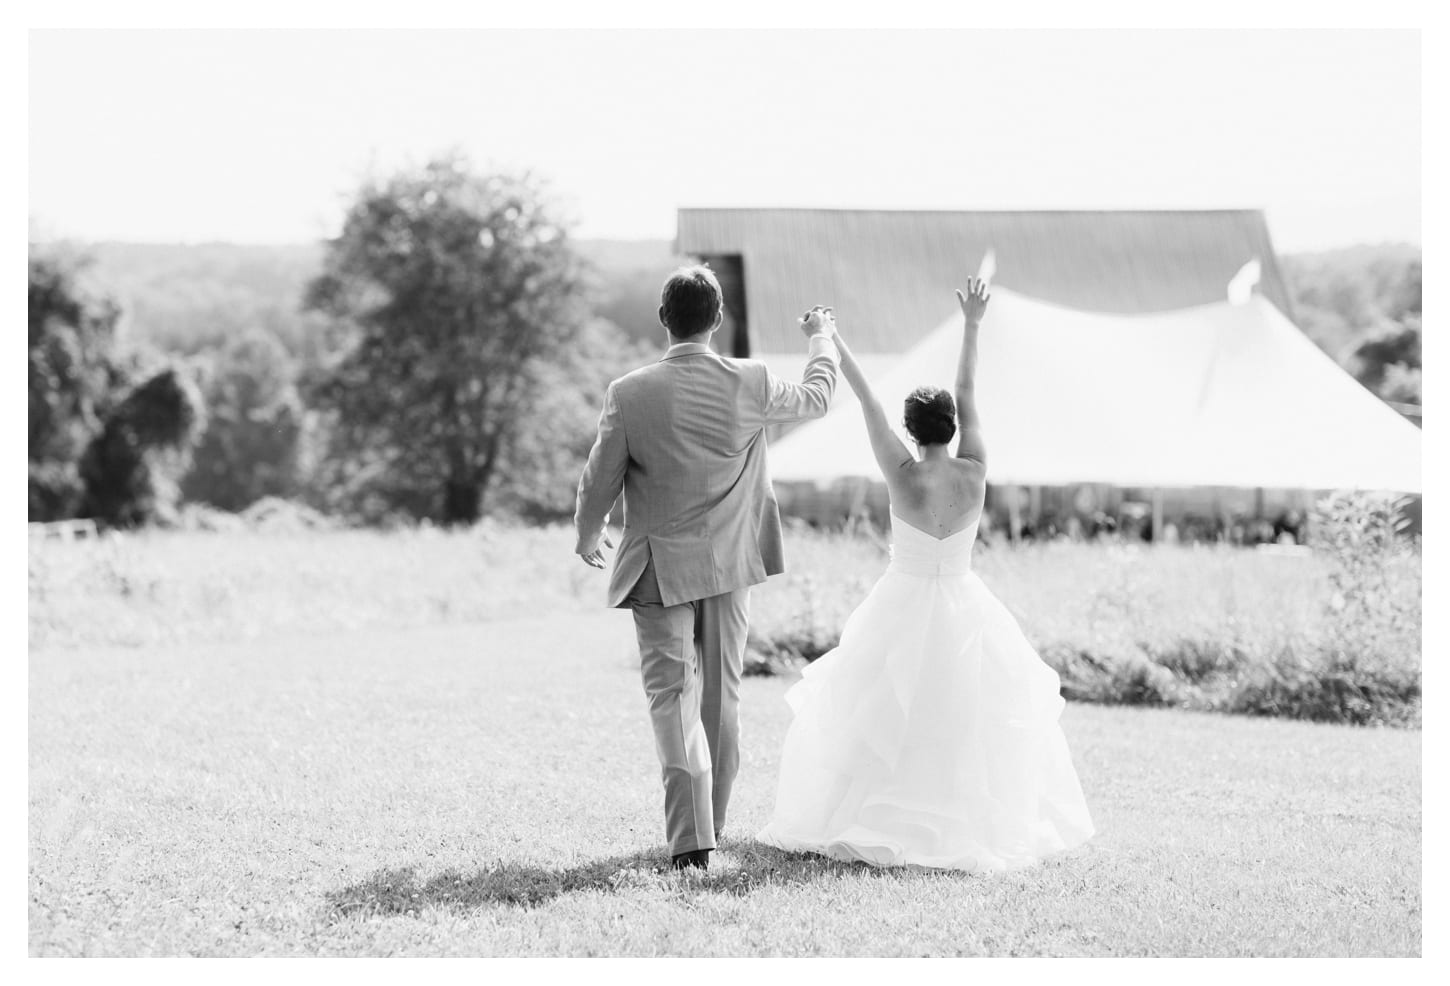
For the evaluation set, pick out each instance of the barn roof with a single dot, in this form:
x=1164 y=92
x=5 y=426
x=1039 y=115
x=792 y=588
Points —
x=890 y=274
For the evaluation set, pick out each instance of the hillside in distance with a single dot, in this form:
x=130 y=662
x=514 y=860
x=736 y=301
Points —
x=188 y=298
x=629 y=274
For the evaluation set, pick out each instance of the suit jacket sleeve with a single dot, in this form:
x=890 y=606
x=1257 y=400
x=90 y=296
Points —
x=811 y=398
x=603 y=477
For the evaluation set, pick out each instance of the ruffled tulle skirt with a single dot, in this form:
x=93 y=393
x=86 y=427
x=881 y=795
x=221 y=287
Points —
x=929 y=736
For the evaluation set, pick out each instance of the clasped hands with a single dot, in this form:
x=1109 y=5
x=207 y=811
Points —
x=821 y=318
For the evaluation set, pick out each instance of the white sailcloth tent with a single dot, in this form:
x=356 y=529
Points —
x=1225 y=394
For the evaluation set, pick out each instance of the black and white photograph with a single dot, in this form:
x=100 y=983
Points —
x=662 y=491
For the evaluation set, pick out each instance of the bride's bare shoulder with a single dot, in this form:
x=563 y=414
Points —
x=973 y=469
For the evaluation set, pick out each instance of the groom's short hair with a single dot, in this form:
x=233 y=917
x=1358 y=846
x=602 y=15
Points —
x=690 y=300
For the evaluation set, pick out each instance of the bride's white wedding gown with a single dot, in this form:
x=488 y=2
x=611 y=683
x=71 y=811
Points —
x=930 y=735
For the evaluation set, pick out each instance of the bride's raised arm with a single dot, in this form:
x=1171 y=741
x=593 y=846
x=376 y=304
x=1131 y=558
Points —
x=890 y=451
x=974 y=304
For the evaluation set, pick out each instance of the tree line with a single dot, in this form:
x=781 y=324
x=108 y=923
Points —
x=443 y=357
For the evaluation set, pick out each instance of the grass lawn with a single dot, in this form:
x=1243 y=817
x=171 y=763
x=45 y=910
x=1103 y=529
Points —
x=1198 y=627
x=490 y=788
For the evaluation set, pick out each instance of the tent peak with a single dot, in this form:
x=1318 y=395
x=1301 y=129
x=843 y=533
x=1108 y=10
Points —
x=1241 y=286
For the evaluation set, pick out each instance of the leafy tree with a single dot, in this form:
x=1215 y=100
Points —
x=1403 y=384
x=1388 y=361
x=129 y=468
x=250 y=447
x=1400 y=345
x=72 y=374
x=1362 y=305
x=1341 y=296
x=1406 y=297
x=544 y=458
x=457 y=287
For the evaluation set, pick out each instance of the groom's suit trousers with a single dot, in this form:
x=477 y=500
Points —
x=691 y=658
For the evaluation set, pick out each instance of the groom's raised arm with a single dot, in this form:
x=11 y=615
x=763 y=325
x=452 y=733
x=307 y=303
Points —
x=811 y=398
x=602 y=481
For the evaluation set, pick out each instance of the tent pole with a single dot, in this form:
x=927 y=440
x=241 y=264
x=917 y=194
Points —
x=1157 y=515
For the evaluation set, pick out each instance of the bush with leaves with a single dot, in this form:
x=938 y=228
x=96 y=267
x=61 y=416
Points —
x=101 y=444
x=1366 y=669
x=130 y=469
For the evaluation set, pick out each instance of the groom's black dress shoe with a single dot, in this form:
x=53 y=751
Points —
x=699 y=857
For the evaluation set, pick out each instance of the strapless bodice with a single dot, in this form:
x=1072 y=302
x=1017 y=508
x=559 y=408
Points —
x=915 y=552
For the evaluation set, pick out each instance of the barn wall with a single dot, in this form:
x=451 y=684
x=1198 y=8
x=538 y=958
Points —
x=733 y=339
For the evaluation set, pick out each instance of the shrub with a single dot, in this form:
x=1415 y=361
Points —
x=784 y=652
x=1372 y=615
x=1334 y=691
x=1111 y=674
x=803 y=638
x=1331 y=635
x=1201 y=660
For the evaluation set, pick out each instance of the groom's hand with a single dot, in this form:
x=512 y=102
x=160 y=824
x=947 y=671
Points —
x=592 y=553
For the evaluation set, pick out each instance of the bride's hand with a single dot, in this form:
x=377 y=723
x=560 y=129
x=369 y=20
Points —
x=974 y=302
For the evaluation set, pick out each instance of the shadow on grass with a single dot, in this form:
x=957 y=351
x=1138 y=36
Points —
x=738 y=869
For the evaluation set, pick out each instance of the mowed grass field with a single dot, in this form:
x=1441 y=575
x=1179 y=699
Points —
x=378 y=776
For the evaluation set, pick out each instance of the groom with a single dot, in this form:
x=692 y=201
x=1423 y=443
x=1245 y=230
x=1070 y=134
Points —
x=684 y=439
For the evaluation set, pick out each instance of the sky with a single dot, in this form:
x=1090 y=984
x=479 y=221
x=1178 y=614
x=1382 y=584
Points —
x=263 y=136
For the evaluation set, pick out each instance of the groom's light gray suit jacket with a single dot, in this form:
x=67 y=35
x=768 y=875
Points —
x=684 y=439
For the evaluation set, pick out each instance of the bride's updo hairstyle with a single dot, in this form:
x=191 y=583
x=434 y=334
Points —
x=931 y=416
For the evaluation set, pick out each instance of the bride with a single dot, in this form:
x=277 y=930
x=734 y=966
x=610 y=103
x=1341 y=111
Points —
x=930 y=735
